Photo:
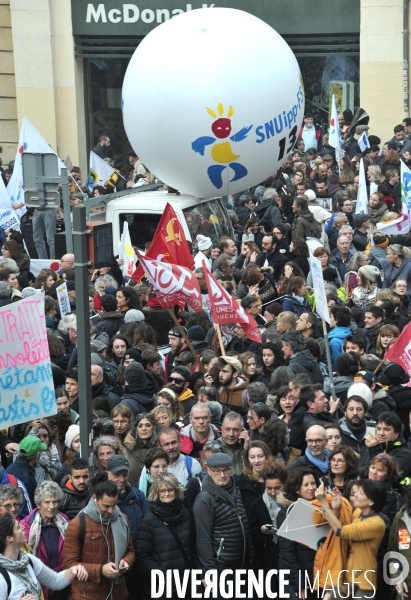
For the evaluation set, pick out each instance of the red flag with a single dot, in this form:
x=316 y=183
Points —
x=226 y=310
x=172 y=284
x=169 y=243
x=400 y=351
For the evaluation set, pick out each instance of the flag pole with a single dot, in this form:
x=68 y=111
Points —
x=329 y=362
x=183 y=333
x=220 y=338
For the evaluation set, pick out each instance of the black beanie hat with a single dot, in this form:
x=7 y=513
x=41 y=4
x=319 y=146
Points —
x=134 y=373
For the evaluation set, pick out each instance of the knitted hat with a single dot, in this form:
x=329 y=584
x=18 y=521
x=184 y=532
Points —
x=28 y=291
x=96 y=359
x=203 y=242
x=134 y=373
x=196 y=333
x=72 y=432
x=360 y=219
x=374 y=140
x=369 y=272
x=395 y=374
x=133 y=353
x=274 y=309
x=380 y=240
x=134 y=315
x=330 y=274
x=310 y=195
x=110 y=290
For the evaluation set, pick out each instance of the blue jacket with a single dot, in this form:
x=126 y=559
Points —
x=27 y=474
x=336 y=337
x=295 y=306
x=26 y=506
x=134 y=505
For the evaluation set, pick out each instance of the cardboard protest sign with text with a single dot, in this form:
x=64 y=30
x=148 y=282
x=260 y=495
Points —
x=64 y=300
x=300 y=527
x=26 y=380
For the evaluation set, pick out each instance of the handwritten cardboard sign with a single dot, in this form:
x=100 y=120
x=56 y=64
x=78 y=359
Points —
x=26 y=380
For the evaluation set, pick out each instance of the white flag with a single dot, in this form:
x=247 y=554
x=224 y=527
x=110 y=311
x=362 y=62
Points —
x=335 y=137
x=362 y=196
x=99 y=172
x=8 y=217
x=29 y=141
x=363 y=142
x=127 y=252
x=401 y=225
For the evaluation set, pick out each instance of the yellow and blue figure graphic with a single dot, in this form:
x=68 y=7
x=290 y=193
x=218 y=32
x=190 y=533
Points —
x=221 y=152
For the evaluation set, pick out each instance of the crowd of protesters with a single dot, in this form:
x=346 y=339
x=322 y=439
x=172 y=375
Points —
x=199 y=458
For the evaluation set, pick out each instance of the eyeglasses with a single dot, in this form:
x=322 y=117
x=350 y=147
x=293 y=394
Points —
x=317 y=441
x=166 y=491
x=120 y=422
x=222 y=472
x=337 y=461
x=167 y=444
x=401 y=285
x=176 y=380
x=10 y=506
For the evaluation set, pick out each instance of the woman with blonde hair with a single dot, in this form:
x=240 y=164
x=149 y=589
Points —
x=251 y=483
x=250 y=250
x=375 y=175
x=250 y=369
x=376 y=209
x=286 y=321
x=167 y=397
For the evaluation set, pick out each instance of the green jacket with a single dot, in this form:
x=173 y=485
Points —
x=237 y=453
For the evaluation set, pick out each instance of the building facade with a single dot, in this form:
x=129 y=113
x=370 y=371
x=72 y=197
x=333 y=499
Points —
x=63 y=62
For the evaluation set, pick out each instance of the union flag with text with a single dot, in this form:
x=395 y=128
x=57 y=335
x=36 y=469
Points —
x=400 y=351
x=172 y=284
x=169 y=244
x=226 y=310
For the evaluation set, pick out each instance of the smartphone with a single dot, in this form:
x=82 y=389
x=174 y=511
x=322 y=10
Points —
x=120 y=570
x=326 y=482
x=271 y=527
x=371 y=430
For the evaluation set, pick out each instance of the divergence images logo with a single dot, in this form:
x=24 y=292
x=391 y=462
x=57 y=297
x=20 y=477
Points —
x=221 y=152
x=397 y=565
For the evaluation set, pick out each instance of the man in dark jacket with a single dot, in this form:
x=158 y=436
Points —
x=241 y=343
x=178 y=345
x=223 y=536
x=373 y=318
x=315 y=403
x=303 y=220
x=360 y=238
x=271 y=256
x=24 y=466
x=388 y=440
x=100 y=388
x=178 y=380
x=111 y=320
x=354 y=429
x=139 y=390
x=101 y=149
x=295 y=424
x=316 y=454
x=75 y=486
x=131 y=501
x=300 y=359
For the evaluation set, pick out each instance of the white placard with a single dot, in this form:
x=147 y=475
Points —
x=319 y=291
x=299 y=526
x=64 y=300
x=26 y=379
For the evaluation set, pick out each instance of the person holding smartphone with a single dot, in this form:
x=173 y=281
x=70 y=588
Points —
x=263 y=519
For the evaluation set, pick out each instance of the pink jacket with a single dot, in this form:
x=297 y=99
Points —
x=41 y=550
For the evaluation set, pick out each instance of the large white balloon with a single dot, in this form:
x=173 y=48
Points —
x=213 y=100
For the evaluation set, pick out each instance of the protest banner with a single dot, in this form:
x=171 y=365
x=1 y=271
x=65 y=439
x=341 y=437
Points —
x=361 y=206
x=321 y=306
x=8 y=217
x=63 y=299
x=400 y=351
x=299 y=525
x=26 y=380
x=99 y=172
x=335 y=138
x=127 y=252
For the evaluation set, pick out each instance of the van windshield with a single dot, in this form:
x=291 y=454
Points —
x=210 y=219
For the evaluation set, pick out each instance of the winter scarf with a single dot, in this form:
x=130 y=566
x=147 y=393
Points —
x=362 y=298
x=170 y=514
x=119 y=528
x=145 y=386
x=322 y=465
x=145 y=479
x=35 y=530
x=19 y=568
x=223 y=493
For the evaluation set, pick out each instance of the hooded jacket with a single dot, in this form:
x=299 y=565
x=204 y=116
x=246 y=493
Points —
x=236 y=452
x=132 y=503
x=231 y=397
x=290 y=303
x=349 y=439
x=336 y=338
x=371 y=335
x=304 y=362
x=139 y=397
x=275 y=259
x=73 y=500
x=188 y=443
x=381 y=403
x=136 y=456
x=302 y=222
x=341 y=385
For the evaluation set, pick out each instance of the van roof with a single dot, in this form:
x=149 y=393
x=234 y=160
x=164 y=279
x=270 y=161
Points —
x=156 y=200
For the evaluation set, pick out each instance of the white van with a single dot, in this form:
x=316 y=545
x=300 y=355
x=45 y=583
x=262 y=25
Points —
x=143 y=211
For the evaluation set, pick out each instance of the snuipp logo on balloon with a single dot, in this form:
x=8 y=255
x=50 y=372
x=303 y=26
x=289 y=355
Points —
x=223 y=106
